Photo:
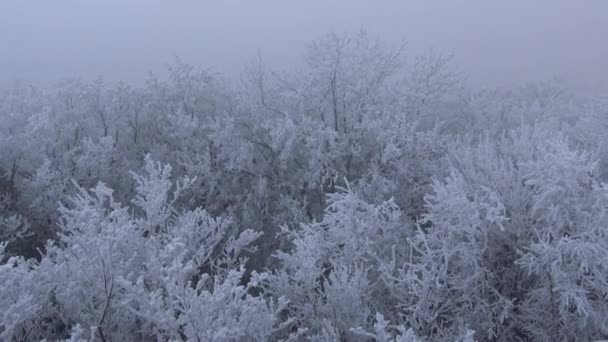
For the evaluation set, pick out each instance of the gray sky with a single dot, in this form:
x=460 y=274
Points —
x=497 y=43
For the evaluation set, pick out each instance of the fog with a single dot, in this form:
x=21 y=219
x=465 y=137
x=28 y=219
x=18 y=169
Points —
x=494 y=43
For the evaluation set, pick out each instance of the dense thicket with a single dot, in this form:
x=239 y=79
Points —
x=367 y=196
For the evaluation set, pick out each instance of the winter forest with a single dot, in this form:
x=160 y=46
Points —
x=366 y=195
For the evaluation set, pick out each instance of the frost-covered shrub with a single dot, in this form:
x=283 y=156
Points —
x=501 y=244
x=114 y=274
x=329 y=276
x=566 y=259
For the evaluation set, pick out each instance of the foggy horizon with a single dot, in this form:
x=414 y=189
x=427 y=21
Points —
x=494 y=45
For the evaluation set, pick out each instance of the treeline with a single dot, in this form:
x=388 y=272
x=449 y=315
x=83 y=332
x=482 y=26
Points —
x=366 y=196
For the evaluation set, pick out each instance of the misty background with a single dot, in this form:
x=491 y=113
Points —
x=495 y=43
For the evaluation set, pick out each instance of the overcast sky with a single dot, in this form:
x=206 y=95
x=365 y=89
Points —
x=496 y=43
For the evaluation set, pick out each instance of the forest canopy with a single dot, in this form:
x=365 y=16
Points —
x=365 y=195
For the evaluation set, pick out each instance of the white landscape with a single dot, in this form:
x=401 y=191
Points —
x=363 y=192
